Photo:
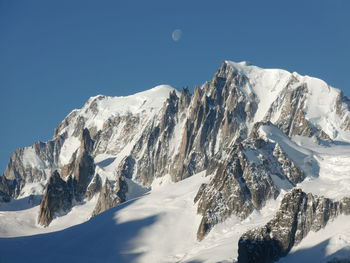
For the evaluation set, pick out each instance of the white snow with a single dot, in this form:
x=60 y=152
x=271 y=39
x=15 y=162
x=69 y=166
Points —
x=19 y=218
x=303 y=157
x=320 y=108
x=265 y=83
x=70 y=145
x=320 y=105
x=332 y=177
x=100 y=108
x=36 y=188
x=331 y=242
x=327 y=166
x=151 y=99
x=252 y=156
x=281 y=183
x=31 y=159
x=160 y=226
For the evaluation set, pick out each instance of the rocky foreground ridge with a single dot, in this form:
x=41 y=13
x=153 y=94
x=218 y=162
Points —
x=237 y=126
x=298 y=214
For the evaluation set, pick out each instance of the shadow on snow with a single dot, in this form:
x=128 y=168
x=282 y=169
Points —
x=318 y=253
x=101 y=239
x=21 y=204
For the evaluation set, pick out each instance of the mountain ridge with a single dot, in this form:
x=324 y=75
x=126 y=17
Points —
x=240 y=128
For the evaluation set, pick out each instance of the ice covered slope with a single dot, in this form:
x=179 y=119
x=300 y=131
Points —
x=100 y=108
x=132 y=232
x=326 y=165
x=100 y=111
x=137 y=140
x=118 y=122
x=158 y=227
x=323 y=106
x=266 y=84
x=238 y=96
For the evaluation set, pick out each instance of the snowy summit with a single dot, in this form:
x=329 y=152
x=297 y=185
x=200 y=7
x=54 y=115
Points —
x=251 y=167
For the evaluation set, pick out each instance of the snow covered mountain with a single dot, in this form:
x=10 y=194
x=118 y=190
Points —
x=246 y=168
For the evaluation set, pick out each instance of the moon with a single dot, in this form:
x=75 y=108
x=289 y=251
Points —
x=176 y=35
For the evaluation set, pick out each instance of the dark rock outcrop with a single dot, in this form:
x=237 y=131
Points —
x=84 y=167
x=58 y=198
x=94 y=187
x=215 y=129
x=18 y=171
x=78 y=175
x=298 y=214
x=5 y=189
x=112 y=194
x=244 y=181
x=291 y=119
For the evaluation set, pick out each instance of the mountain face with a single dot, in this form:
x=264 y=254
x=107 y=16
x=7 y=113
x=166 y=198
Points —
x=298 y=214
x=240 y=128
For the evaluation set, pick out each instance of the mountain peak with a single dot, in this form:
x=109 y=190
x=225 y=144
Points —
x=241 y=67
x=232 y=149
x=149 y=100
x=238 y=64
x=98 y=109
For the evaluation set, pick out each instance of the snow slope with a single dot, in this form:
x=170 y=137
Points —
x=327 y=165
x=265 y=83
x=18 y=218
x=99 y=108
x=332 y=179
x=329 y=243
x=321 y=99
x=96 y=112
x=157 y=227
x=161 y=225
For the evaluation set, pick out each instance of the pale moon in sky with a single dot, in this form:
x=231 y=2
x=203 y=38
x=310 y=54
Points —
x=176 y=35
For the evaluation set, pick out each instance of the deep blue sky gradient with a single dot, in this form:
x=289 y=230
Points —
x=56 y=54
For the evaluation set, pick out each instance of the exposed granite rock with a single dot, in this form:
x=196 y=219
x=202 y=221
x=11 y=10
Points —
x=290 y=170
x=94 y=187
x=81 y=166
x=152 y=151
x=290 y=106
x=191 y=130
x=342 y=110
x=79 y=173
x=18 y=171
x=117 y=132
x=84 y=165
x=58 y=198
x=244 y=181
x=298 y=214
x=5 y=189
x=127 y=167
x=112 y=194
x=206 y=131
x=182 y=138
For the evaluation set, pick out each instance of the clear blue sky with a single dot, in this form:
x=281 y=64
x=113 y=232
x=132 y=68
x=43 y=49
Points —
x=56 y=54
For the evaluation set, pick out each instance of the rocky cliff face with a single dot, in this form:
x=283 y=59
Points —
x=58 y=198
x=288 y=112
x=111 y=194
x=98 y=149
x=71 y=185
x=298 y=214
x=245 y=180
x=33 y=164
